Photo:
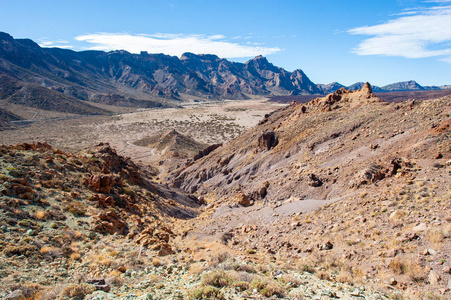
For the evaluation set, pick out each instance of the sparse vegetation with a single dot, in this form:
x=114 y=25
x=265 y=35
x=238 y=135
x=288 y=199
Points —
x=389 y=234
x=207 y=292
x=76 y=291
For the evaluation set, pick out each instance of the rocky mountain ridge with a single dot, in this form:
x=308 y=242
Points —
x=402 y=86
x=146 y=80
x=89 y=75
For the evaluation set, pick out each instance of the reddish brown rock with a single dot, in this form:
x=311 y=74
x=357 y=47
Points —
x=101 y=183
x=122 y=269
x=103 y=201
x=242 y=199
x=165 y=249
x=109 y=222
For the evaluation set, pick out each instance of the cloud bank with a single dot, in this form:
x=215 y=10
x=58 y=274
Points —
x=174 y=44
x=419 y=34
x=63 y=44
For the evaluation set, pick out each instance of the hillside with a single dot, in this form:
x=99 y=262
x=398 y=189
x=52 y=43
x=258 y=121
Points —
x=6 y=118
x=349 y=184
x=172 y=144
x=21 y=94
x=344 y=196
x=58 y=206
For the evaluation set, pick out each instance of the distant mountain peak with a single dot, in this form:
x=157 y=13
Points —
x=259 y=60
x=191 y=56
x=149 y=80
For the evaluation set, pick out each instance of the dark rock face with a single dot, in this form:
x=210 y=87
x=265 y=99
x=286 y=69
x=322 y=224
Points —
x=206 y=151
x=314 y=181
x=267 y=140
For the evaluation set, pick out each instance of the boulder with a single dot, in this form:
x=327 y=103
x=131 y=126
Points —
x=101 y=183
x=103 y=201
x=109 y=222
x=267 y=140
x=314 y=181
x=165 y=249
x=242 y=199
x=16 y=295
x=99 y=284
x=434 y=278
x=420 y=227
x=408 y=236
x=326 y=246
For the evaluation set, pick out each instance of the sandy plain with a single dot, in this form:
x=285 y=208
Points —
x=208 y=123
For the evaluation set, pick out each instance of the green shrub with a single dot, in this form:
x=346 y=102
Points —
x=308 y=269
x=217 y=279
x=207 y=292
x=241 y=285
x=76 y=208
x=267 y=288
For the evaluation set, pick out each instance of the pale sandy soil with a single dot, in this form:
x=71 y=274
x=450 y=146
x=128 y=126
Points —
x=207 y=123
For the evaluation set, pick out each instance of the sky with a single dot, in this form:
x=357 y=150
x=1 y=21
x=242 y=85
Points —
x=346 y=41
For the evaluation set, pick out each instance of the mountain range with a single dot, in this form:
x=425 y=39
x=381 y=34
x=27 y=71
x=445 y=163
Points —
x=37 y=77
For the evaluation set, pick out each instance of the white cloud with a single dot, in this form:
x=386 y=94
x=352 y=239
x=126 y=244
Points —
x=421 y=33
x=174 y=44
x=56 y=44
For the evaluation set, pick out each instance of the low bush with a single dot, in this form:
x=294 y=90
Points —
x=206 y=292
x=77 y=291
x=217 y=279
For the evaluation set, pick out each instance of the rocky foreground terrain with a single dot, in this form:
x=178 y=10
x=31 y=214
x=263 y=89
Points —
x=344 y=197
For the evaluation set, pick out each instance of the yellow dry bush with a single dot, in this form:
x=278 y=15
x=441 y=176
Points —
x=41 y=215
x=435 y=235
x=344 y=277
x=323 y=275
x=48 y=250
x=196 y=268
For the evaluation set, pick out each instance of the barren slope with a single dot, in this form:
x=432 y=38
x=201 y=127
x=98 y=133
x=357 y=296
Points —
x=382 y=169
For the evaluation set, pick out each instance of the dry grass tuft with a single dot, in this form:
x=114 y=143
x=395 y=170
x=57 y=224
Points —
x=217 y=279
x=241 y=285
x=345 y=277
x=206 y=292
x=196 y=268
x=156 y=262
x=267 y=288
x=323 y=275
x=436 y=235
x=76 y=291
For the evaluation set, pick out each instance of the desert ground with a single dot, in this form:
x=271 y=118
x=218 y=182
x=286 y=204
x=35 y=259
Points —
x=208 y=123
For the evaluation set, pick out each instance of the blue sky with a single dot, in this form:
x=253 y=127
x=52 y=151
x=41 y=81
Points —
x=346 y=41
